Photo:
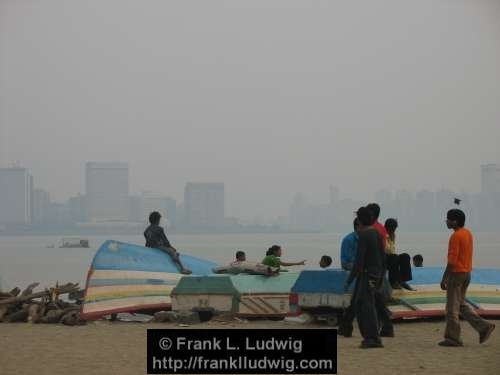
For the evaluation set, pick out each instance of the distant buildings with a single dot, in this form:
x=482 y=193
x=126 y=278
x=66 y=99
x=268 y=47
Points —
x=106 y=192
x=204 y=205
x=166 y=206
x=107 y=207
x=16 y=191
x=490 y=178
x=41 y=206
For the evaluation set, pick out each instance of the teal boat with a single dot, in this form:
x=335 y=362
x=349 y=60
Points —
x=243 y=295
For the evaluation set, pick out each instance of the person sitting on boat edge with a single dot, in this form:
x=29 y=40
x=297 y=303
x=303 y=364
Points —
x=156 y=238
x=398 y=265
x=325 y=261
x=272 y=259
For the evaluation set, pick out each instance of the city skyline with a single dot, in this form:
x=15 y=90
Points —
x=311 y=198
x=108 y=202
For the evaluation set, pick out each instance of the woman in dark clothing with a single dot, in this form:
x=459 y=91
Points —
x=399 y=266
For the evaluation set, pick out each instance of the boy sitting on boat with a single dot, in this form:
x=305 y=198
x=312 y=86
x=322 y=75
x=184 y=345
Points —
x=156 y=238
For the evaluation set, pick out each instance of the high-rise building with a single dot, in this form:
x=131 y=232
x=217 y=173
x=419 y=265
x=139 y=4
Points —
x=135 y=209
x=16 y=190
x=41 y=206
x=204 y=205
x=106 y=191
x=490 y=178
x=334 y=195
x=76 y=208
x=166 y=206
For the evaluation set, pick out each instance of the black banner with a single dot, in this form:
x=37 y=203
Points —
x=242 y=351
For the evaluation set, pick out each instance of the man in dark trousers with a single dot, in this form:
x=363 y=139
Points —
x=156 y=238
x=369 y=269
x=348 y=250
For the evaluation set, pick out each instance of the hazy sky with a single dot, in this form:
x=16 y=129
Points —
x=269 y=97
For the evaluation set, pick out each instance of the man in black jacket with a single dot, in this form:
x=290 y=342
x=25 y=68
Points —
x=369 y=269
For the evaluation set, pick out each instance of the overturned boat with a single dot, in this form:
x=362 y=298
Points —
x=250 y=296
x=483 y=294
x=321 y=293
x=129 y=278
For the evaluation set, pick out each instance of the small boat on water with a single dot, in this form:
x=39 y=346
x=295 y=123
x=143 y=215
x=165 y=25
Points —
x=74 y=242
x=130 y=278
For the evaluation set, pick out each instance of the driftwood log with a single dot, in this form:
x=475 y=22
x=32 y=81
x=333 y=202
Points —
x=42 y=307
x=52 y=292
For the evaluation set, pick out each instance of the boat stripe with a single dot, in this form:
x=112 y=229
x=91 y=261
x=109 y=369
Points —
x=109 y=282
x=120 y=274
x=257 y=305
x=123 y=295
x=126 y=303
x=271 y=307
x=107 y=290
x=252 y=309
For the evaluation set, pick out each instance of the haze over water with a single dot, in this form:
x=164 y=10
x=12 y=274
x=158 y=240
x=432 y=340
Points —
x=27 y=259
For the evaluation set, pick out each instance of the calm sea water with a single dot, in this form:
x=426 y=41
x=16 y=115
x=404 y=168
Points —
x=27 y=259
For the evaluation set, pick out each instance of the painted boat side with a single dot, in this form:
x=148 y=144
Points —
x=129 y=278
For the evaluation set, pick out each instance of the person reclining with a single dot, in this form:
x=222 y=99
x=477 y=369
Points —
x=241 y=265
x=240 y=258
x=156 y=238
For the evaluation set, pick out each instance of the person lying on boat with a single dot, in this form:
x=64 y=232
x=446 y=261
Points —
x=325 y=261
x=240 y=258
x=156 y=238
x=273 y=259
x=241 y=265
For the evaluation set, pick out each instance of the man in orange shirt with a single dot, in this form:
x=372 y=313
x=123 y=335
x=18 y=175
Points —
x=455 y=281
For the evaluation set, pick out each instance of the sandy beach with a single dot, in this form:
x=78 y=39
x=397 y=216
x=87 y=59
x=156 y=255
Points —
x=104 y=347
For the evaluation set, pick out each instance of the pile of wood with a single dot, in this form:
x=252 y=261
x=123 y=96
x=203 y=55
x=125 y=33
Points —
x=42 y=307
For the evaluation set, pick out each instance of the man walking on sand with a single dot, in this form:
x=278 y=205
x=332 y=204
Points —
x=455 y=281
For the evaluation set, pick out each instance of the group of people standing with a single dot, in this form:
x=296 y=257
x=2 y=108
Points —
x=367 y=253
x=370 y=250
x=398 y=265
